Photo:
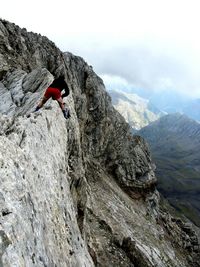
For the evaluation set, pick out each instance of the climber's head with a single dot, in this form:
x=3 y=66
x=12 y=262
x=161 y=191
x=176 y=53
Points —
x=59 y=83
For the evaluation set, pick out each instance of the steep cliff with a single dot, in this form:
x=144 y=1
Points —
x=79 y=192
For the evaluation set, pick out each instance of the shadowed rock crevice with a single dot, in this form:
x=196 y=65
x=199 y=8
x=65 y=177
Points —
x=133 y=253
x=4 y=243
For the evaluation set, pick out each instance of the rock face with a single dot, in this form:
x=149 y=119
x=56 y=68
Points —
x=79 y=192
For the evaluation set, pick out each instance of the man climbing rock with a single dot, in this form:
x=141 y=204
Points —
x=54 y=92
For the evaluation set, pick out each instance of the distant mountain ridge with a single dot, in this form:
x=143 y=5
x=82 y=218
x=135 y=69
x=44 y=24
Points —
x=175 y=145
x=176 y=123
x=137 y=111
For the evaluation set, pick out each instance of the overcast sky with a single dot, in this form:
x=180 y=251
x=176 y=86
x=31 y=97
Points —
x=151 y=44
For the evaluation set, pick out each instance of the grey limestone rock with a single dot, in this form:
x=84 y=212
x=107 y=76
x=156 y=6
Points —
x=38 y=79
x=7 y=106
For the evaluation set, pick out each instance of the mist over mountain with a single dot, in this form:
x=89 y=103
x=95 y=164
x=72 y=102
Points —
x=166 y=100
x=172 y=102
x=175 y=145
x=137 y=111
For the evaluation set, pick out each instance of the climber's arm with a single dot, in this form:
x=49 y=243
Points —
x=62 y=106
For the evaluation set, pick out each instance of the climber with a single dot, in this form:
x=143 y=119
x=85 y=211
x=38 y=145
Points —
x=54 y=91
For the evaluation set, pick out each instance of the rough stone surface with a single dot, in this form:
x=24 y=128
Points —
x=79 y=192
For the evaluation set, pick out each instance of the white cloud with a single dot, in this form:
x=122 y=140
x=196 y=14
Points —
x=153 y=44
x=115 y=82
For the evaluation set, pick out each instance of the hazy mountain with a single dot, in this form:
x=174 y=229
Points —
x=137 y=111
x=175 y=145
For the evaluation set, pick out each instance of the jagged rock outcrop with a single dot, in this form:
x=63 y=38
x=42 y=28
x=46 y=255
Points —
x=79 y=192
